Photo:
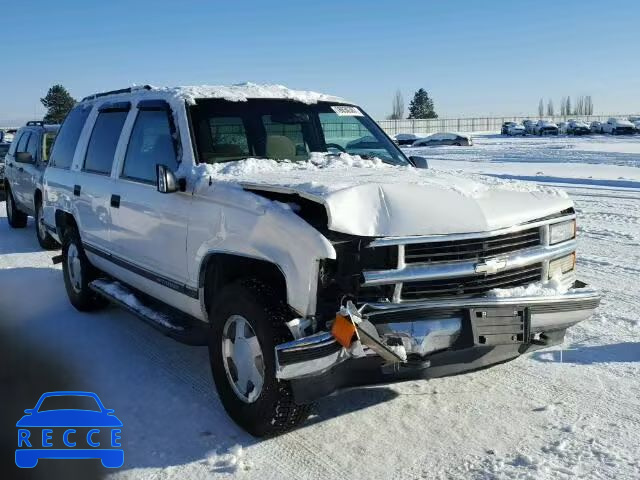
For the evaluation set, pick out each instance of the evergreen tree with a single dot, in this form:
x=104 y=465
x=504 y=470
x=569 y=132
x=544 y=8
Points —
x=568 y=106
x=58 y=103
x=422 y=106
x=550 y=110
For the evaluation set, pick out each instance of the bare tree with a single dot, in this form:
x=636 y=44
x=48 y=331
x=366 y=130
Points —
x=580 y=105
x=541 y=108
x=550 y=111
x=563 y=106
x=588 y=105
x=568 y=106
x=397 y=108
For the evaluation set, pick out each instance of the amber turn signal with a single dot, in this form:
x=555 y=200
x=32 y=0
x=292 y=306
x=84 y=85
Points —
x=344 y=331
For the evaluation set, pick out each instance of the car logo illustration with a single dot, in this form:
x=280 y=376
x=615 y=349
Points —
x=92 y=431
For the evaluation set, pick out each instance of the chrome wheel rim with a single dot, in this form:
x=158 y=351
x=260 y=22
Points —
x=242 y=358
x=41 y=230
x=74 y=268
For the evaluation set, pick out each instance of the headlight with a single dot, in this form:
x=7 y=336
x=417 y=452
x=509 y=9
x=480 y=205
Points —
x=561 y=232
x=562 y=265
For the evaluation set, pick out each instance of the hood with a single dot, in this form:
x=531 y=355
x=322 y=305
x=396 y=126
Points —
x=404 y=201
x=391 y=210
x=623 y=123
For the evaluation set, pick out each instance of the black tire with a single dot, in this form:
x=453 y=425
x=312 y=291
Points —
x=273 y=411
x=45 y=240
x=77 y=284
x=15 y=217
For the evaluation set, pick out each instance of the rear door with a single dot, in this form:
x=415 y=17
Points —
x=30 y=172
x=94 y=184
x=150 y=228
x=16 y=170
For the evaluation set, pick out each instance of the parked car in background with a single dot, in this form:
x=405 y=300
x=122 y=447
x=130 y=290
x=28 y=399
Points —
x=617 y=126
x=26 y=161
x=595 y=127
x=439 y=139
x=405 y=138
x=4 y=149
x=576 y=127
x=545 y=127
x=636 y=122
x=302 y=281
x=529 y=127
x=513 y=129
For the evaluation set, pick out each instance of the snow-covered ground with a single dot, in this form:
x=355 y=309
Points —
x=562 y=413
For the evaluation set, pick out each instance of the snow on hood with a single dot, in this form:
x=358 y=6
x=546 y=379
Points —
x=446 y=136
x=371 y=198
x=623 y=123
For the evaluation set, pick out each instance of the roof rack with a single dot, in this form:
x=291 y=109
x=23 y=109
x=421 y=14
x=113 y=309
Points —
x=114 y=92
x=35 y=123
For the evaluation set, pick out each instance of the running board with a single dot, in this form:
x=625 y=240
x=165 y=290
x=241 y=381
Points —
x=174 y=324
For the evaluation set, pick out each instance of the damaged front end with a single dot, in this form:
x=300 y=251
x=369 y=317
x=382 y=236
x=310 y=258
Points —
x=428 y=309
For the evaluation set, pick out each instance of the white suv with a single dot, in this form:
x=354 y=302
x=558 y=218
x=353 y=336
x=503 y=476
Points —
x=248 y=218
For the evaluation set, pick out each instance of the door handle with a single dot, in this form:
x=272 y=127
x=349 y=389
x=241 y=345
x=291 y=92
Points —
x=115 y=201
x=76 y=190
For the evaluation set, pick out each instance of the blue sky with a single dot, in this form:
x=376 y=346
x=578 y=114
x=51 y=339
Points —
x=473 y=57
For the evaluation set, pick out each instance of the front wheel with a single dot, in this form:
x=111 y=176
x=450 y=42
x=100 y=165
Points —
x=247 y=322
x=15 y=217
x=45 y=240
x=78 y=273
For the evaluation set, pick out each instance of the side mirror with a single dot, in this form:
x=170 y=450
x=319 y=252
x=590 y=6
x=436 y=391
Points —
x=419 y=162
x=167 y=181
x=29 y=411
x=24 y=157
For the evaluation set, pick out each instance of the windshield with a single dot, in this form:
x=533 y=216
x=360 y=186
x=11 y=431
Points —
x=69 y=402
x=285 y=130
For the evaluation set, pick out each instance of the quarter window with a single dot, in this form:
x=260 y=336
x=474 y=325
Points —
x=151 y=143
x=104 y=140
x=67 y=139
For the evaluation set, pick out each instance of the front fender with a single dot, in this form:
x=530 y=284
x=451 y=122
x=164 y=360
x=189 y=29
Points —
x=258 y=228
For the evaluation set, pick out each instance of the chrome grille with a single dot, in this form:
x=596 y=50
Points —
x=472 y=249
x=470 y=286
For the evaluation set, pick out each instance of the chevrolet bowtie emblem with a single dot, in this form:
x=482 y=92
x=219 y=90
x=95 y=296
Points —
x=491 y=266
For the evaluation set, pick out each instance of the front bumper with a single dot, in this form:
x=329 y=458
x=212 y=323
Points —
x=440 y=338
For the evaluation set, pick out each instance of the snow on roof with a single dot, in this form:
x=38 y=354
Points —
x=234 y=93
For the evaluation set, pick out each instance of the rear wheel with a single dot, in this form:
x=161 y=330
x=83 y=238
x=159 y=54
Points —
x=45 y=240
x=15 y=217
x=247 y=322
x=78 y=273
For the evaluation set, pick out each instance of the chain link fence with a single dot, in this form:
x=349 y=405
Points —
x=476 y=124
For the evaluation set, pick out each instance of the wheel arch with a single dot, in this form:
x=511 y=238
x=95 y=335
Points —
x=64 y=220
x=219 y=269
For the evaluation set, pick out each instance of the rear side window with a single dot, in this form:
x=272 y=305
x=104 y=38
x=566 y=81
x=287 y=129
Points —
x=104 y=140
x=151 y=143
x=22 y=142
x=32 y=145
x=67 y=139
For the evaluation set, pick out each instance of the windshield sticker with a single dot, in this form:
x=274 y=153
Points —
x=346 y=111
